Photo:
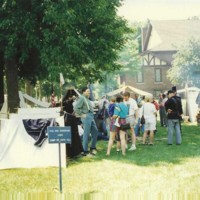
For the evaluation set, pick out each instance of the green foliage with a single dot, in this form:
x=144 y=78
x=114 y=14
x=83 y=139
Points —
x=108 y=84
x=129 y=56
x=129 y=59
x=79 y=38
x=186 y=64
x=90 y=34
x=20 y=28
x=46 y=89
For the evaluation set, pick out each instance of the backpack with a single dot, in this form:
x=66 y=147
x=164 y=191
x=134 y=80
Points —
x=111 y=109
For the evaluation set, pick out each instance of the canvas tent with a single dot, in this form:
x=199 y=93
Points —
x=17 y=149
x=22 y=98
x=129 y=89
x=191 y=106
x=190 y=89
x=3 y=111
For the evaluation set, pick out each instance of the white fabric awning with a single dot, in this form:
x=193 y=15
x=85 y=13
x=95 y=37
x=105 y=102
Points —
x=33 y=100
x=129 y=88
x=14 y=140
x=194 y=89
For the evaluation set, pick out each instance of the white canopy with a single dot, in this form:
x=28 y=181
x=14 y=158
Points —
x=129 y=88
x=35 y=101
x=193 y=89
x=191 y=94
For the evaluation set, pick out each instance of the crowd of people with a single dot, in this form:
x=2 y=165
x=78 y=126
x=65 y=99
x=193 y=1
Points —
x=139 y=115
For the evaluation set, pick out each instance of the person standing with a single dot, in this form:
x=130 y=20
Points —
x=173 y=117
x=161 y=111
x=120 y=113
x=149 y=111
x=179 y=105
x=132 y=116
x=75 y=148
x=111 y=108
x=139 y=127
x=83 y=107
x=164 y=114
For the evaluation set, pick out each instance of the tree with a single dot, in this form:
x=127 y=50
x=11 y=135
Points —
x=90 y=43
x=129 y=59
x=1 y=79
x=129 y=56
x=18 y=37
x=42 y=38
x=109 y=83
x=186 y=64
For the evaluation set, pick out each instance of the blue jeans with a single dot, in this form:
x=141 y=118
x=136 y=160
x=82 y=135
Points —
x=137 y=128
x=89 y=126
x=174 y=124
x=163 y=116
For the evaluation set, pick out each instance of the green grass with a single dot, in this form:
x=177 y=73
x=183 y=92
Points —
x=158 y=169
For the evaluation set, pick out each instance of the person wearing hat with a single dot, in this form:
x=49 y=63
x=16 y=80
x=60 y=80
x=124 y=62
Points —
x=178 y=99
x=173 y=117
x=179 y=105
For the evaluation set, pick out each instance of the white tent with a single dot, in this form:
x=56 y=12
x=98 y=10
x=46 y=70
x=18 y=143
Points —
x=3 y=111
x=190 y=89
x=17 y=149
x=191 y=105
x=130 y=89
x=33 y=100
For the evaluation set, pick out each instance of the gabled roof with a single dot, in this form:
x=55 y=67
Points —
x=167 y=35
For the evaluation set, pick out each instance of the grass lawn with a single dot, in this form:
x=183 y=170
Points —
x=159 y=171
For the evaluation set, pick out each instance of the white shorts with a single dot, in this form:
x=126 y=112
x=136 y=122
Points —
x=149 y=126
x=131 y=120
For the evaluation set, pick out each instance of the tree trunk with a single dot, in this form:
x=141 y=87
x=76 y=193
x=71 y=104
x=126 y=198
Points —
x=40 y=91
x=28 y=87
x=29 y=91
x=12 y=85
x=1 y=80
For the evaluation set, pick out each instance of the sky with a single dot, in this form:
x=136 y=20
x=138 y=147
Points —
x=141 y=10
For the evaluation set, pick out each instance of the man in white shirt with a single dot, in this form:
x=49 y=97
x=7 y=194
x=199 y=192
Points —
x=132 y=116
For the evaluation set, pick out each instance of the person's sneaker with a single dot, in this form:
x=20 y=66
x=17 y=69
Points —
x=83 y=154
x=93 y=152
x=133 y=147
x=89 y=155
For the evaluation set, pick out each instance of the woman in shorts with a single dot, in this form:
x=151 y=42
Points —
x=149 y=112
x=120 y=113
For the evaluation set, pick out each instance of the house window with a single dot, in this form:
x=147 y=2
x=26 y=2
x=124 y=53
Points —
x=139 y=77
x=158 y=77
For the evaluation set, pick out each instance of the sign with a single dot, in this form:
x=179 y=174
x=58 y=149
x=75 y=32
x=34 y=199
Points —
x=58 y=134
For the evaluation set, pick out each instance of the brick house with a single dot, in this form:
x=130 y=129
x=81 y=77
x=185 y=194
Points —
x=160 y=40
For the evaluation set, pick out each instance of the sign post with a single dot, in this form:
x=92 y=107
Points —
x=59 y=135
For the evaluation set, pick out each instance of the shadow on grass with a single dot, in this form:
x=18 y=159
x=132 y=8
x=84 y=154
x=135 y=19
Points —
x=157 y=154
